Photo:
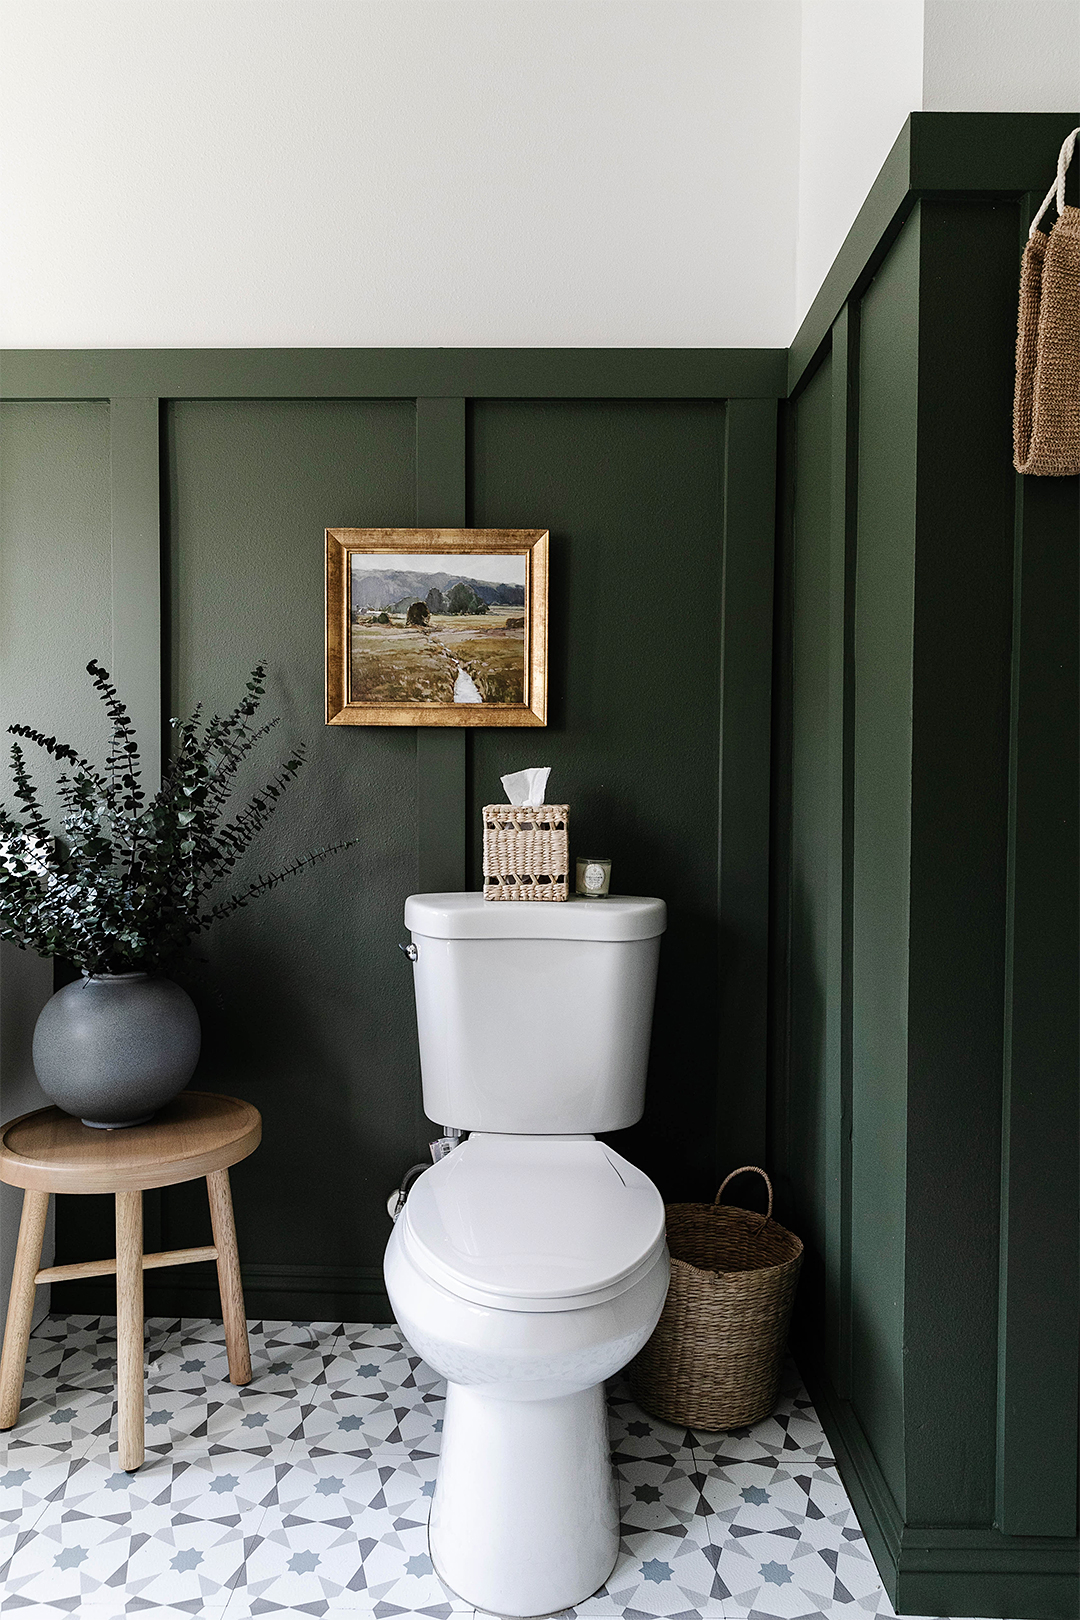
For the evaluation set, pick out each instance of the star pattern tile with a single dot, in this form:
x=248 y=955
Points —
x=308 y=1491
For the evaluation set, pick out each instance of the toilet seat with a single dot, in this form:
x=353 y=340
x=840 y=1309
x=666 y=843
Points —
x=534 y=1223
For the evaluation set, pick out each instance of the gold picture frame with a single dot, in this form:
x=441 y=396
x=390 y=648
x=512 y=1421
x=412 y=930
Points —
x=450 y=656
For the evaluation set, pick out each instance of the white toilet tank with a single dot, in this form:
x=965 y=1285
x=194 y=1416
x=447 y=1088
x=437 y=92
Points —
x=534 y=1018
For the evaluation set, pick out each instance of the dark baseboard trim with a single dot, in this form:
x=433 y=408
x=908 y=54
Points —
x=943 y=1569
x=274 y=1292
x=983 y=1588
x=875 y=1506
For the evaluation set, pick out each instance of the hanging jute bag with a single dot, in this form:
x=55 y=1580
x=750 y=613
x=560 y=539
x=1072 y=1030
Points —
x=1046 y=411
x=715 y=1356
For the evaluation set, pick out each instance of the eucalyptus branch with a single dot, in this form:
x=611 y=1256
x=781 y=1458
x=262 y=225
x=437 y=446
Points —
x=25 y=792
x=130 y=879
x=270 y=880
x=57 y=750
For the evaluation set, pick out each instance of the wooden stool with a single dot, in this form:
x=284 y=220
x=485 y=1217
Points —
x=195 y=1135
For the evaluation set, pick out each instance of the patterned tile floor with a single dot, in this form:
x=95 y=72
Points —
x=307 y=1492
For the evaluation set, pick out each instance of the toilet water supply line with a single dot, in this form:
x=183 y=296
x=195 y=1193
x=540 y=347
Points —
x=442 y=1145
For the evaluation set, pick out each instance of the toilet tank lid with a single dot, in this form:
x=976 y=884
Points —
x=470 y=916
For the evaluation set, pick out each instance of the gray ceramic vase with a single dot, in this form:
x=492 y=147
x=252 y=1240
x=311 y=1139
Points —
x=114 y=1048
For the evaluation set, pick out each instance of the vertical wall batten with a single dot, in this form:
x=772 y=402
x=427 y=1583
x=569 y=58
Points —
x=843 y=499
x=749 y=516
x=440 y=464
x=136 y=665
x=136 y=659
x=809 y=1149
x=441 y=751
x=883 y=612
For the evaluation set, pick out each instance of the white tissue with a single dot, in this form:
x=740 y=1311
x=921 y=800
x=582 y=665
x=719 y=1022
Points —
x=527 y=787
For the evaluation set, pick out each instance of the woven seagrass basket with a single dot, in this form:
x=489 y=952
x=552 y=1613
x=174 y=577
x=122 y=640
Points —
x=526 y=851
x=715 y=1356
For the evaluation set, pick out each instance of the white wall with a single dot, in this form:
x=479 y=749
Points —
x=866 y=64
x=862 y=70
x=418 y=172
x=467 y=172
x=1001 y=56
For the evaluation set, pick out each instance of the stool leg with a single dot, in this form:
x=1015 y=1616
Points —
x=21 y=1305
x=130 y=1396
x=228 y=1268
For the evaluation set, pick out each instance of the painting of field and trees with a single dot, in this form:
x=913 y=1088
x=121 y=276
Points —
x=449 y=631
x=436 y=627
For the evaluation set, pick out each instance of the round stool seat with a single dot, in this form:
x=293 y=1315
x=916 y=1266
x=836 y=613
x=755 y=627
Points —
x=198 y=1134
x=191 y=1137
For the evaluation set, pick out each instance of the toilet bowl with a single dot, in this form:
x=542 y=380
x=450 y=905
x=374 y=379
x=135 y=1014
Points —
x=526 y=1270
x=529 y=1264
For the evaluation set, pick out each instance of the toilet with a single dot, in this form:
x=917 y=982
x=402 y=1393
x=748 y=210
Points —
x=529 y=1264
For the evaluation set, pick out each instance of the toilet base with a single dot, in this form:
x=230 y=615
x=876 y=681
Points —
x=525 y=1517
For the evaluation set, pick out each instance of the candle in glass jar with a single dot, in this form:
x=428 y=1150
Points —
x=593 y=876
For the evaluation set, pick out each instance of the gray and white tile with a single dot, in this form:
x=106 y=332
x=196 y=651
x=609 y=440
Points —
x=308 y=1491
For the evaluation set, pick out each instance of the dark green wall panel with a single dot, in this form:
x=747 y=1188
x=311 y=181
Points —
x=55 y=570
x=1036 y=1475
x=308 y=1004
x=746 y=697
x=959 y=799
x=884 y=625
x=56 y=583
x=632 y=496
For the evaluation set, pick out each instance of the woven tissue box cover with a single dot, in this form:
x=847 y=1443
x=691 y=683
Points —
x=526 y=851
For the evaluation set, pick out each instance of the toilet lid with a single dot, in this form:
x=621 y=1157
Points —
x=534 y=1222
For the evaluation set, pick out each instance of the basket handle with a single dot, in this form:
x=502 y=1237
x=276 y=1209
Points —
x=755 y=1170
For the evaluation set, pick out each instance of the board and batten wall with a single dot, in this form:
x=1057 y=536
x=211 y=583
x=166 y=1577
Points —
x=195 y=489
x=925 y=1007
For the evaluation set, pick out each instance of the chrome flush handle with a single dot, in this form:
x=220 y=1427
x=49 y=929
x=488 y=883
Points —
x=410 y=951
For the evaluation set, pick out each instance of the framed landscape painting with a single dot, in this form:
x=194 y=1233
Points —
x=436 y=627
